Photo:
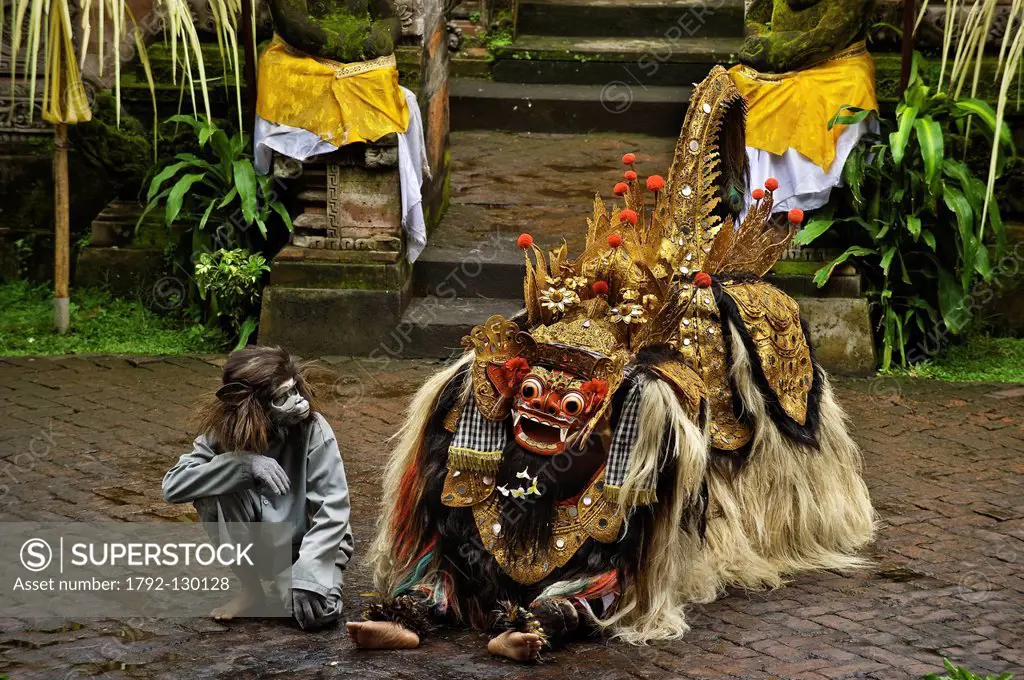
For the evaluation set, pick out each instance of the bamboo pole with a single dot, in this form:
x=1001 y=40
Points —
x=248 y=73
x=62 y=235
x=908 y=42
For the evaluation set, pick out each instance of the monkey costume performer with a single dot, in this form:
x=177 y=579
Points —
x=265 y=455
x=651 y=430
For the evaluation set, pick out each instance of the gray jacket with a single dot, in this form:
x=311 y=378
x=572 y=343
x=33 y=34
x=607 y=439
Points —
x=317 y=505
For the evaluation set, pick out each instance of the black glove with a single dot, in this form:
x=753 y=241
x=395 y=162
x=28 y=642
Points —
x=308 y=608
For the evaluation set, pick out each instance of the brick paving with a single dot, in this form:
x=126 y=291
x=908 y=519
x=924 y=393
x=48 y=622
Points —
x=90 y=439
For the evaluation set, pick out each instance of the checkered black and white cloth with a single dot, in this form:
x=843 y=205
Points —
x=624 y=436
x=476 y=434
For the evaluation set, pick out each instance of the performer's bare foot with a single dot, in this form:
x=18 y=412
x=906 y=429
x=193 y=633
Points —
x=381 y=635
x=516 y=646
x=247 y=600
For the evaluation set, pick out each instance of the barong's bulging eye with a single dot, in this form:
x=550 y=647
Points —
x=572 y=404
x=531 y=388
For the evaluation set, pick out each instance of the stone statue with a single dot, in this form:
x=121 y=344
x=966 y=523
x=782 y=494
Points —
x=343 y=30
x=786 y=35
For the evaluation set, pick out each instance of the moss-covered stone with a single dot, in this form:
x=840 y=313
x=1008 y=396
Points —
x=343 y=30
x=783 y=35
x=124 y=152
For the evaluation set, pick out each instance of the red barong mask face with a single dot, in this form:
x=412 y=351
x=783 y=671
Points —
x=550 y=406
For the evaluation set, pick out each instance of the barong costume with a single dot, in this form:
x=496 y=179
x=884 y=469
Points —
x=652 y=429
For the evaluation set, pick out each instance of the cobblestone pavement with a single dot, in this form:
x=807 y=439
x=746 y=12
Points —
x=90 y=439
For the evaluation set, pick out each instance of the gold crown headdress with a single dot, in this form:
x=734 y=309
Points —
x=642 y=271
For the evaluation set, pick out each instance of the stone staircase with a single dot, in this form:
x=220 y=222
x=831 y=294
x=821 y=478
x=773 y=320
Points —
x=455 y=289
x=582 y=67
x=599 y=66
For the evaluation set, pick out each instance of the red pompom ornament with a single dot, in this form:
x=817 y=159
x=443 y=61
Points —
x=758 y=194
x=629 y=175
x=515 y=369
x=596 y=388
x=655 y=183
x=620 y=189
x=796 y=216
x=627 y=215
x=599 y=288
x=771 y=184
x=702 y=279
x=524 y=241
x=628 y=159
x=614 y=240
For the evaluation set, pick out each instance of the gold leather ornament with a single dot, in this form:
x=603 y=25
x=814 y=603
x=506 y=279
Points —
x=687 y=384
x=591 y=516
x=772 y=319
x=465 y=488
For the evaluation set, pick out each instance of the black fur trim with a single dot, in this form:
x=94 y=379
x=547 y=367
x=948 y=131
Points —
x=806 y=433
x=557 y=616
x=408 y=611
x=510 y=616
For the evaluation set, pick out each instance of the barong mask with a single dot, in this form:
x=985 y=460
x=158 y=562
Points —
x=262 y=394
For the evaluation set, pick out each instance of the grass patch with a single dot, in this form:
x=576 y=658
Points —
x=100 y=324
x=978 y=359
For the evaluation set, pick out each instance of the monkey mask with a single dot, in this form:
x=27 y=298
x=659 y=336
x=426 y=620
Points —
x=263 y=393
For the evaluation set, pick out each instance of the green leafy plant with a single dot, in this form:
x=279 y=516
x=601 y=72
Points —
x=218 y=188
x=960 y=673
x=915 y=216
x=229 y=282
x=220 y=212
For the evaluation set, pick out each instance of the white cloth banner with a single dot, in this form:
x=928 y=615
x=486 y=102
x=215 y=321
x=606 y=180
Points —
x=302 y=145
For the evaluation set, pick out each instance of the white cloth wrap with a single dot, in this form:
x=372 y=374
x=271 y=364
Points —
x=302 y=145
x=802 y=184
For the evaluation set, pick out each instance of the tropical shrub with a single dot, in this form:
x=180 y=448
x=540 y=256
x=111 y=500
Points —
x=219 y=191
x=916 y=218
x=229 y=283
x=224 y=220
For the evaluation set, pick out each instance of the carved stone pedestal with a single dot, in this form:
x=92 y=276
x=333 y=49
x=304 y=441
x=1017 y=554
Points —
x=343 y=282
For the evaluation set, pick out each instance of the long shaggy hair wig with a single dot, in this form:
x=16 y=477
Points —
x=792 y=507
x=237 y=416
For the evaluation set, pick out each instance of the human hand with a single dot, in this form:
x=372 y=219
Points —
x=308 y=608
x=269 y=473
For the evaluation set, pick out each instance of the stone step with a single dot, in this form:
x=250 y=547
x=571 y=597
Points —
x=638 y=18
x=311 y=221
x=613 y=107
x=616 y=62
x=433 y=327
x=499 y=272
x=313 y=196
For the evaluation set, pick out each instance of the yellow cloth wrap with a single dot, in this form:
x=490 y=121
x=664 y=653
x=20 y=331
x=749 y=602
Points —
x=340 y=103
x=791 y=110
